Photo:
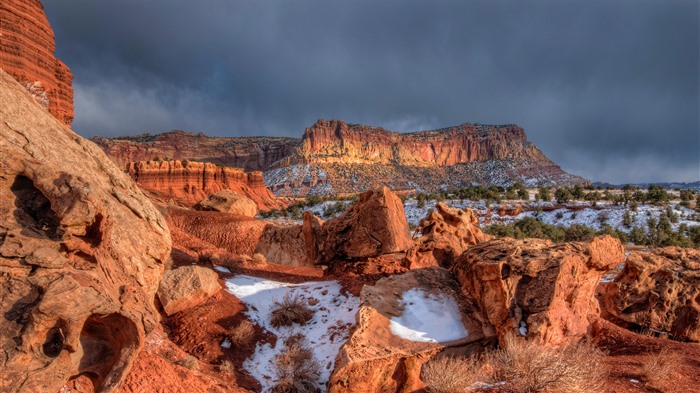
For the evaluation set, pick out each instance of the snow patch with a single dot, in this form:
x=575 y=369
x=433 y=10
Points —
x=226 y=344
x=428 y=318
x=326 y=332
x=523 y=328
x=222 y=269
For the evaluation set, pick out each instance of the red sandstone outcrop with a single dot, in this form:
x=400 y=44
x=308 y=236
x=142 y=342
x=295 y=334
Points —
x=81 y=252
x=189 y=182
x=659 y=290
x=27 y=53
x=249 y=153
x=532 y=287
x=227 y=201
x=237 y=234
x=375 y=359
x=445 y=234
x=186 y=287
x=336 y=157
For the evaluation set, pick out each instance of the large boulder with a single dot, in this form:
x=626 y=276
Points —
x=402 y=322
x=373 y=226
x=82 y=252
x=445 y=234
x=186 y=287
x=535 y=288
x=660 y=290
x=227 y=201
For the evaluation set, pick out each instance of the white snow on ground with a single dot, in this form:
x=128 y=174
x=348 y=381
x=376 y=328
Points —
x=523 y=328
x=222 y=269
x=428 y=318
x=326 y=332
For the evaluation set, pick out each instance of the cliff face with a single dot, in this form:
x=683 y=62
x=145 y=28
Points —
x=335 y=157
x=27 y=53
x=338 y=142
x=249 y=153
x=189 y=182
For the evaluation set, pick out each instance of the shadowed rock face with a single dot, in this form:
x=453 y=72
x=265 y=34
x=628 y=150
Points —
x=81 y=254
x=660 y=290
x=537 y=289
x=27 y=53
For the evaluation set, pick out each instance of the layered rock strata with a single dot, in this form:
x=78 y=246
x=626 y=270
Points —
x=188 y=182
x=82 y=251
x=27 y=53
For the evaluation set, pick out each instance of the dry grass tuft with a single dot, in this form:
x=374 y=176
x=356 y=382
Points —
x=453 y=374
x=289 y=311
x=521 y=366
x=258 y=259
x=658 y=372
x=242 y=334
x=527 y=367
x=226 y=366
x=297 y=369
x=189 y=362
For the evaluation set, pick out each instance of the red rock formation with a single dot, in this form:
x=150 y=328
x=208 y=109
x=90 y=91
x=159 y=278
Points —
x=335 y=157
x=227 y=201
x=374 y=359
x=82 y=251
x=537 y=289
x=445 y=234
x=27 y=53
x=659 y=290
x=249 y=153
x=189 y=182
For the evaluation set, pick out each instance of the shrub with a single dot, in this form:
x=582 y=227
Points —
x=242 y=333
x=297 y=369
x=226 y=366
x=526 y=366
x=289 y=311
x=189 y=362
x=258 y=259
x=451 y=374
x=658 y=372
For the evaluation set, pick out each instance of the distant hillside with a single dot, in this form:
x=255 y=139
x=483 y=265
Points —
x=336 y=157
x=671 y=186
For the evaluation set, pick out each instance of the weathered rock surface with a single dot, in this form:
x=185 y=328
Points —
x=535 y=288
x=446 y=233
x=659 y=290
x=227 y=201
x=373 y=226
x=27 y=53
x=376 y=360
x=81 y=254
x=186 y=287
x=337 y=157
x=189 y=182
x=234 y=233
x=249 y=153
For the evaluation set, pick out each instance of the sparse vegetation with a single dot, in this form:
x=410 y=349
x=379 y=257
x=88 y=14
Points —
x=520 y=366
x=297 y=369
x=189 y=362
x=658 y=372
x=258 y=259
x=291 y=310
x=242 y=333
x=226 y=366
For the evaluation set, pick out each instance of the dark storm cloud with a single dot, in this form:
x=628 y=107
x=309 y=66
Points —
x=608 y=90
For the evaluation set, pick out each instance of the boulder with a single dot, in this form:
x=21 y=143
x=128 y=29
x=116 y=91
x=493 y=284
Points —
x=186 y=287
x=535 y=288
x=82 y=252
x=402 y=322
x=227 y=201
x=660 y=290
x=373 y=226
x=445 y=234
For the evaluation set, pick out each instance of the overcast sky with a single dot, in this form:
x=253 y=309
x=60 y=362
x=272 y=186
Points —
x=608 y=90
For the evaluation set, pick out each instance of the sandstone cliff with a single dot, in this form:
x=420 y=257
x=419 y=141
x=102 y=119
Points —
x=188 y=182
x=27 y=53
x=335 y=157
x=249 y=153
